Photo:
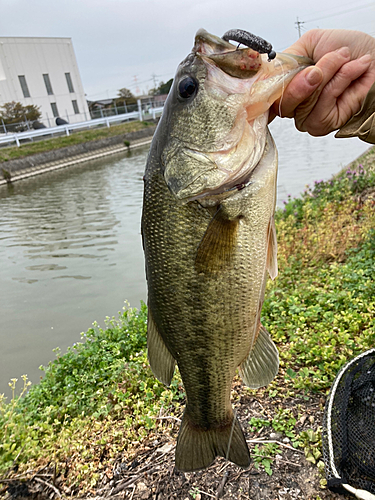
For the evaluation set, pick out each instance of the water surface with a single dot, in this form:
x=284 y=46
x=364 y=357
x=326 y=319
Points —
x=71 y=253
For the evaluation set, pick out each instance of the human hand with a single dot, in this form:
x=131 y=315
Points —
x=322 y=98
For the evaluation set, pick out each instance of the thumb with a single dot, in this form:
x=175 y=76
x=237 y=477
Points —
x=299 y=89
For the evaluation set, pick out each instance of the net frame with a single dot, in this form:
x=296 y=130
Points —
x=328 y=446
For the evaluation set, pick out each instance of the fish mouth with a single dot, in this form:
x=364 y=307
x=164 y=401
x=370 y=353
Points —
x=243 y=63
x=239 y=63
x=255 y=82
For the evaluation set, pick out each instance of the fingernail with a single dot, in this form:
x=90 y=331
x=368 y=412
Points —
x=314 y=76
x=344 y=51
x=366 y=59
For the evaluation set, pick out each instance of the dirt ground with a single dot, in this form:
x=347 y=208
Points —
x=149 y=472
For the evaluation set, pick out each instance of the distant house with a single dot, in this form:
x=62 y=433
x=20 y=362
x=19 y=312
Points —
x=100 y=104
x=159 y=100
x=116 y=105
x=109 y=107
x=43 y=72
x=98 y=108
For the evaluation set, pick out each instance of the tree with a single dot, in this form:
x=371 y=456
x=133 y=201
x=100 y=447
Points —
x=163 y=88
x=15 y=112
x=125 y=95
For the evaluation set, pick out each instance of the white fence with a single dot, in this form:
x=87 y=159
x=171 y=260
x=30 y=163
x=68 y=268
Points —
x=30 y=134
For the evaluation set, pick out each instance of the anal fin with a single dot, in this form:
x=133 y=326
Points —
x=161 y=360
x=262 y=364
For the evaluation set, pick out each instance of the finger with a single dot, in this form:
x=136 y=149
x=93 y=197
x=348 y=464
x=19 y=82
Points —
x=304 y=90
x=329 y=64
x=346 y=75
x=307 y=43
x=339 y=99
x=299 y=89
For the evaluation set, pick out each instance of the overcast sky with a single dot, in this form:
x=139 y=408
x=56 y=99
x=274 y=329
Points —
x=132 y=43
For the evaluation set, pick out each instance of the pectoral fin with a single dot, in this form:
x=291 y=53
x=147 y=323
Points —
x=272 y=250
x=216 y=249
x=161 y=360
x=262 y=364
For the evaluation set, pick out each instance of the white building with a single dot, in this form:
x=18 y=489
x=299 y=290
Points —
x=44 y=72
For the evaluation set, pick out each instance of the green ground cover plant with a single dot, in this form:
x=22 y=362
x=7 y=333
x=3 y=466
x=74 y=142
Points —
x=321 y=308
x=100 y=398
x=264 y=455
x=44 y=145
x=283 y=422
x=101 y=392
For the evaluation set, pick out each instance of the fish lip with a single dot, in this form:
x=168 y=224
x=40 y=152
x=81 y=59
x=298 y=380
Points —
x=303 y=61
x=205 y=43
x=239 y=63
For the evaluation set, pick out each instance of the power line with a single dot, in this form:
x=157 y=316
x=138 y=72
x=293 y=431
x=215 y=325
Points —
x=334 y=8
x=359 y=27
x=341 y=12
x=133 y=84
x=302 y=29
x=130 y=85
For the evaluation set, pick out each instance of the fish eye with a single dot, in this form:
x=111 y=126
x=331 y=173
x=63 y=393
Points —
x=187 y=87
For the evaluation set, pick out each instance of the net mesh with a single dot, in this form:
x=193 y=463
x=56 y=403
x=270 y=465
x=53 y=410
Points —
x=349 y=426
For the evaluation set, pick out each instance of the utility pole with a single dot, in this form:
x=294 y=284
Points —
x=153 y=76
x=298 y=23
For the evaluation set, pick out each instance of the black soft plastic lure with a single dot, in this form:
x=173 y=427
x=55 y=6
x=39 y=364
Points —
x=252 y=41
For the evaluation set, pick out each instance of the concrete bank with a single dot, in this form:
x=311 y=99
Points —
x=15 y=170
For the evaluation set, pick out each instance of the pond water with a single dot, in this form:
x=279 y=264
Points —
x=70 y=245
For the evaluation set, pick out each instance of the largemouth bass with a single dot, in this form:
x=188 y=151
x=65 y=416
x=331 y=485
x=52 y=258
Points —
x=209 y=238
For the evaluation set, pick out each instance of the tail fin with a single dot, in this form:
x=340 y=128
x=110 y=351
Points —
x=197 y=448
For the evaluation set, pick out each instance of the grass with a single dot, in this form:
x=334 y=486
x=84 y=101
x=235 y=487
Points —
x=100 y=395
x=321 y=309
x=42 y=146
x=100 y=398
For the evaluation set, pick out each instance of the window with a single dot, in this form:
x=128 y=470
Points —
x=75 y=107
x=69 y=82
x=24 y=87
x=54 y=109
x=48 y=85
